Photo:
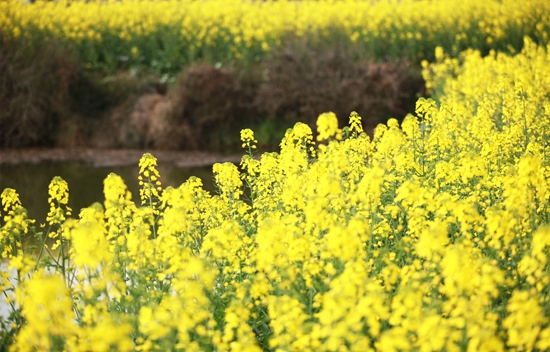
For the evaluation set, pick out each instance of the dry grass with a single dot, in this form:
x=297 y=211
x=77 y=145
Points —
x=305 y=80
x=48 y=101
x=34 y=92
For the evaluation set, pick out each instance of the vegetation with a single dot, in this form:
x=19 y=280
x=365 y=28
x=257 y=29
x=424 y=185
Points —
x=165 y=36
x=280 y=61
x=431 y=236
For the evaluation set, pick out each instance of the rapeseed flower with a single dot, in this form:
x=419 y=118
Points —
x=327 y=127
x=176 y=33
x=15 y=223
x=431 y=236
x=149 y=180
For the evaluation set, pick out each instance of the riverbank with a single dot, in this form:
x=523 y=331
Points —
x=113 y=157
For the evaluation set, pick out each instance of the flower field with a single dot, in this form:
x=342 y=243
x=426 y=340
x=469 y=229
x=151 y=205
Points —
x=167 y=35
x=432 y=236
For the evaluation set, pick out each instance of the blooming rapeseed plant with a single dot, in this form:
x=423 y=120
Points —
x=174 y=33
x=15 y=223
x=434 y=235
x=327 y=127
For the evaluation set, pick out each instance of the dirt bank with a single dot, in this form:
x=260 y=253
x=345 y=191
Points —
x=111 y=157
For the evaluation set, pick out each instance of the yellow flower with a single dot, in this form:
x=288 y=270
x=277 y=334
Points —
x=149 y=180
x=58 y=199
x=355 y=123
x=327 y=127
x=228 y=180
x=47 y=308
x=15 y=224
x=247 y=136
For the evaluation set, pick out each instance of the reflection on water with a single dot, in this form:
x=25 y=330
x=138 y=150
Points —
x=85 y=183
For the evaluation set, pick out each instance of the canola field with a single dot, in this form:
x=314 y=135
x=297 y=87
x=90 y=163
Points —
x=432 y=236
x=165 y=36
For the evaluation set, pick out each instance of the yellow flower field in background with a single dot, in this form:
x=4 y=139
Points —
x=167 y=35
x=432 y=236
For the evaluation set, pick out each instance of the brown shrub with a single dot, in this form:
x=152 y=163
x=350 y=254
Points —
x=305 y=80
x=125 y=111
x=46 y=100
x=207 y=101
x=34 y=89
x=297 y=83
x=147 y=125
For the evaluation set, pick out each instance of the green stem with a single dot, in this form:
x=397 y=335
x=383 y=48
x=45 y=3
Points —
x=42 y=246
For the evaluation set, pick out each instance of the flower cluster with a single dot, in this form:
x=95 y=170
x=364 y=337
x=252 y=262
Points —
x=247 y=137
x=432 y=236
x=15 y=223
x=149 y=180
x=327 y=127
x=171 y=34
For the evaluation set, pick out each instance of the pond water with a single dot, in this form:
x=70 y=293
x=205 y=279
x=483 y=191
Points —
x=85 y=182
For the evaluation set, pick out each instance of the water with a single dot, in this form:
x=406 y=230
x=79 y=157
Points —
x=85 y=183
